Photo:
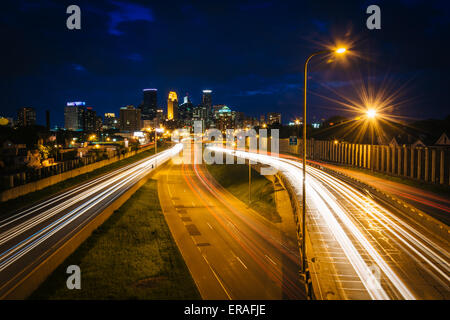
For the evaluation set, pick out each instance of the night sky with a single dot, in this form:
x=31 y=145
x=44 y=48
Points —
x=250 y=53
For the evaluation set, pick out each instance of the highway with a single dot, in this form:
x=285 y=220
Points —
x=359 y=248
x=433 y=204
x=31 y=235
x=230 y=250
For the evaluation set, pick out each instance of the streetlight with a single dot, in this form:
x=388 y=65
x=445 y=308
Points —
x=338 y=51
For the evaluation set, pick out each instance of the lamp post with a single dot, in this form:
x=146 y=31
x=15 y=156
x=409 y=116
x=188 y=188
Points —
x=339 y=51
x=156 y=142
x=371 y=114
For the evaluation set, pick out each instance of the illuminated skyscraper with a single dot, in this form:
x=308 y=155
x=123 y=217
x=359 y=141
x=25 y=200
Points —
x=207 y=103
x=74 y=116
x=172 y=106
x=149 y=105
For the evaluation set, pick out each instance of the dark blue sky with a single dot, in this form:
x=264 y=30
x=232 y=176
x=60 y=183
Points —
x=250 y=53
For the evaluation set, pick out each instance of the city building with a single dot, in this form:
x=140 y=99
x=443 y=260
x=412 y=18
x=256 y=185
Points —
x=74 y=116
x=130 y=118
x=26 y=117
x=200 y=114
x=110 y=121
x=224 y=118
x=239 y=120
x=207 y=103
x=262 y=120
x=149 y=105
x=185 y=111
x=172 y=106
x=89 y=120
x=273 y=117
x=159 y=118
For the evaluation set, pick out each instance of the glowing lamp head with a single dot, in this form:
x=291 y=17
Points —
x=371 y=113
x=341 y=50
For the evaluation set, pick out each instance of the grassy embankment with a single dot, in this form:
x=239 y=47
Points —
x=32 y=197
x=234 y=178
x=131 y=256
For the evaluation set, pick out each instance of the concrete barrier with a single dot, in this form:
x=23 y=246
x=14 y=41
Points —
x=66 y=247
x=46 y=182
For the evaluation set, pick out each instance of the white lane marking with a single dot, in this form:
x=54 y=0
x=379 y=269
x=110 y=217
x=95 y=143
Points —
x=209 y=225
x=217 y=277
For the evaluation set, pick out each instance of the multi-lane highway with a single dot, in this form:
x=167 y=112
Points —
x=31 y=235
x=358 y=248
x=230 y=250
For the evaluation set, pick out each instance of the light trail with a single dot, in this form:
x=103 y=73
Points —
x=361 y=227
x=50 y=217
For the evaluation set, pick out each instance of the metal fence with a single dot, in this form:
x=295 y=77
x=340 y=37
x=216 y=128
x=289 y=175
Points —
x=427 y=164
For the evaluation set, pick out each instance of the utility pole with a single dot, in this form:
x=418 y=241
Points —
x=156 y=142
x=249 y=183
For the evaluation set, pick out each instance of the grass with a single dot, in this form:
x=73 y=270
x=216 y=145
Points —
x=16 y=204
x=131 y=256
x=234 y=178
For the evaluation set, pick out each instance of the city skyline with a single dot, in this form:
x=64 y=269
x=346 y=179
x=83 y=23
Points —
x=268 y=77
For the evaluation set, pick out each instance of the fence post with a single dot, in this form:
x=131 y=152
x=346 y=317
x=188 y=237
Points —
x=441 y=168
x=426 y=164
x=412 y=163
x=433 y=165
x=419 y=163
x=405 y=161
x=399 y=161
x=393 y=160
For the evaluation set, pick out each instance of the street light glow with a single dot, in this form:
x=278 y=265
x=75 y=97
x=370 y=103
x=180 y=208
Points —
x=341 y=50
x=371 y=113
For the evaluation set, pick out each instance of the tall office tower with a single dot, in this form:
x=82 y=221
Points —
x=149 y=105
x=172 y=106
x=74 y=116
x=273 y=117
x=130 y=119
x=89 y=120
x=185 y=111
x=26 y=117
x=207 y=103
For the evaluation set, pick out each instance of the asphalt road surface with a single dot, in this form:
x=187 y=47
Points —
x=358 y=248
x=230 y=250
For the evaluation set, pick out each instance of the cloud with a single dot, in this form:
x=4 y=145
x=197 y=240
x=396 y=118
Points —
x=137 y=57
x=127 y=12
x=78 y=67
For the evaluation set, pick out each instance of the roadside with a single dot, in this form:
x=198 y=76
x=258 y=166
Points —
x=23 y=201
x=131 y=256
x=436 y=203
x=234 y=178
